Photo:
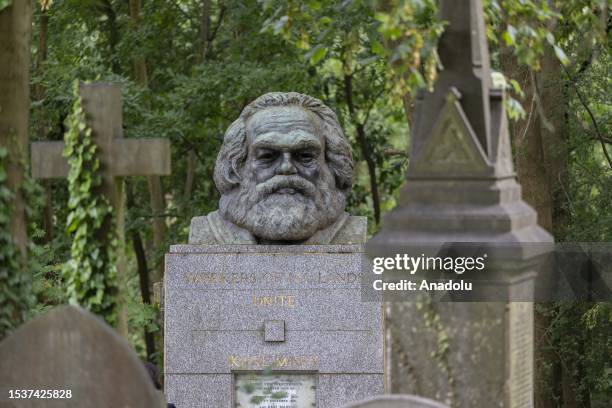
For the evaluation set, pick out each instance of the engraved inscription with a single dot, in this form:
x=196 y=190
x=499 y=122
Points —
x=265 y=361
x=268 y=278
x=274 y=300
x=521 y=354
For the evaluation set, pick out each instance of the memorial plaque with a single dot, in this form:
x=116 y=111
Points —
x=275 y=390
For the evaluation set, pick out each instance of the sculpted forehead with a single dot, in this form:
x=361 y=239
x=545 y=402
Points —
x=283 y=125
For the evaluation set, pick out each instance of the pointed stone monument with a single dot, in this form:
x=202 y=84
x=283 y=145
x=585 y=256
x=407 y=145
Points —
x=461 y=188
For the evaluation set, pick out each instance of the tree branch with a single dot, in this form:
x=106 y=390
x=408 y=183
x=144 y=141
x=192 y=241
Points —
x=213 y=34
x=591 y=115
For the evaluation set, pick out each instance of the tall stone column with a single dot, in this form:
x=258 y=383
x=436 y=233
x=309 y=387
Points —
x=461 y=188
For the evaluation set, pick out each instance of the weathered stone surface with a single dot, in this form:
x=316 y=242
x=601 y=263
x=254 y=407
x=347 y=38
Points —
x=131 y=157
x=274 y=330
x=70 y=349
x=338 y=389
x=202 y=390
x=118 y=156
x=396 y=401
x=451 y=352
x=284 y=171
x=219 y=300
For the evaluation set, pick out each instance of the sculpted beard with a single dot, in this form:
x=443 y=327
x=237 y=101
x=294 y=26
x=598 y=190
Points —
x=270 y=210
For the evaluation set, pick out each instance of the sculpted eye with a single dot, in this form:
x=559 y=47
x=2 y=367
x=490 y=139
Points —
x=267 y=155
x=305 y=156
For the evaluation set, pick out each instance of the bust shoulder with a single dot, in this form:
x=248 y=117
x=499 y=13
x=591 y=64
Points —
x=212 y=229
x=354 y=231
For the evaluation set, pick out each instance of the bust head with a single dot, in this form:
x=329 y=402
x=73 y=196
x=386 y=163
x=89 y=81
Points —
x=285 y=168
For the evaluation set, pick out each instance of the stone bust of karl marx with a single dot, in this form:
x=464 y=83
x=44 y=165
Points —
x=284 y=172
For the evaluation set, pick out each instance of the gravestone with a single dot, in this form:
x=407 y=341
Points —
x=71 y=358
x=263 y=306
x=460 y=190
x=118 y=157
x=396 y=401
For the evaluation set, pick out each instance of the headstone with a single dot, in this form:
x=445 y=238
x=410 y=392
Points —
x=263 y=307
x=396 y=401
x=119 y=158
x=461 y=188
x=71 y=358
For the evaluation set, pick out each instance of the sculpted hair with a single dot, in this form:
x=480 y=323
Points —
x=233 y=153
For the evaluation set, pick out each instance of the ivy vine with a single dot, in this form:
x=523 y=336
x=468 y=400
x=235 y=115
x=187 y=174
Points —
x=90 y=273
x=433 y=321
x=15 y=286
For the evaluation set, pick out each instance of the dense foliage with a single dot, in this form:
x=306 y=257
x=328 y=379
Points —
x=187 y=68
x=16 y=296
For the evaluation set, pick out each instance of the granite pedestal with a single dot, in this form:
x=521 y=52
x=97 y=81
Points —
x=269 y=326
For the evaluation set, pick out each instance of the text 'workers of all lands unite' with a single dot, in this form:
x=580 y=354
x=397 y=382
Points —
x=413 y=264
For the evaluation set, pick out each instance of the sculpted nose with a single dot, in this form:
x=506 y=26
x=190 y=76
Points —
x=286 y=166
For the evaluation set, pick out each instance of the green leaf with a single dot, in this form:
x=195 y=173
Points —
x=325 y=20
x=515 y=109
x=314 y=5
x=516 y=87
x=509 y=36
x=5 y=3
x=280 y=24
x=316 y=54
x=378 y=49
x=561 y=55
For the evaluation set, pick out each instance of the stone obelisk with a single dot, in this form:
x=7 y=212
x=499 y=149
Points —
x=461 y=188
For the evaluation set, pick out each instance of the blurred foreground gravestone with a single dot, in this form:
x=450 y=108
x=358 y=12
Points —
x=462 y=199
x=396 y=401
x=71 y=358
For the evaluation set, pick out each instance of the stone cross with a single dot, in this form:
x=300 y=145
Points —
x=71 y=358
x=396 y=401
x=461 y=188
x=119 y=158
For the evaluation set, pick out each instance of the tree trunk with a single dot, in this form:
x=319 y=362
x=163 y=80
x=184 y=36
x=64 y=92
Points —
x=158 y=207
x=541 y=163
x=553 y=109
x=39 y=91
x=204 y=45
x=366 y=151
x=15 y=32
x=143 y=274
x=156 y=193
x=540 y=140
x=113 y=33
x=190 y=175
x=205 y=29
